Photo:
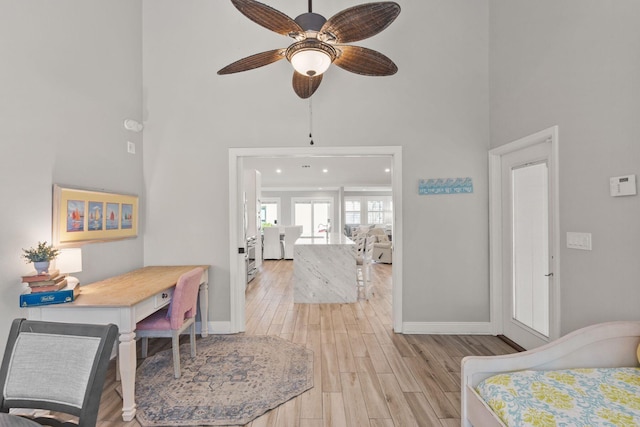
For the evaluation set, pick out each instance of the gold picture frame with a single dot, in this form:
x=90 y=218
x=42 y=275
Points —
x=84 y=216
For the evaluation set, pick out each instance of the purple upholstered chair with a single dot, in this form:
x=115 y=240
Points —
x=171 y=322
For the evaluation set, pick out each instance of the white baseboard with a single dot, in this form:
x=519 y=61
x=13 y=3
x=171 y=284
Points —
x=218 y=327
x=447 y=328
x=433 y=328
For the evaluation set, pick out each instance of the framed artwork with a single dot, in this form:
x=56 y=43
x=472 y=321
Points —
x=83 y=216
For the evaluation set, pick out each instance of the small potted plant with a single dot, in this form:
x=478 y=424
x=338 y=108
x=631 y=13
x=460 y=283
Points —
x=40 y=256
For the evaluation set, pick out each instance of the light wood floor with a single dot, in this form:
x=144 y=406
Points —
x=364 y=374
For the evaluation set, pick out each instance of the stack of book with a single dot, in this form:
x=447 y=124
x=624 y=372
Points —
x=45 y=282
x=47 y=288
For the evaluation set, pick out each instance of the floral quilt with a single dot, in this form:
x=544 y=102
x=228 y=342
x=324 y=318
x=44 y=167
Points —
x=574 y=397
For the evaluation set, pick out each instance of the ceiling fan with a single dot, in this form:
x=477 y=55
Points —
x=319 y=42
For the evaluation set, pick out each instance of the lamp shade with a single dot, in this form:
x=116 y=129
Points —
x=69 y=260
x=311 y=57
x=311 y=62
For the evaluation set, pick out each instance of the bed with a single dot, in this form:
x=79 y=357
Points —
x=587 y=352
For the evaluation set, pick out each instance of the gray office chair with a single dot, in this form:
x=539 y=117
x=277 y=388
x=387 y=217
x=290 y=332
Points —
x=57 y=367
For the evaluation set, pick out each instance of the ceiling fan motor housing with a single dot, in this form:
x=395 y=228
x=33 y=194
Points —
x=311 y=21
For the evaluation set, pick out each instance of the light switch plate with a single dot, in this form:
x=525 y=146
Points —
x=579 y=241
x=131 y=147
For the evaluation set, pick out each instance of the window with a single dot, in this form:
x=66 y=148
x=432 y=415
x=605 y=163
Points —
x=352 y=211
x=374 y=212
x=313 y=215
x=368 y=210
x=379 y=211
x=270 y=211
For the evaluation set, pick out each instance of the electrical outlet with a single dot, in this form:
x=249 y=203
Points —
x=131 y=147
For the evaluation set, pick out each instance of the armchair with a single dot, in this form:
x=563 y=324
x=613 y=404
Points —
x=382 y=250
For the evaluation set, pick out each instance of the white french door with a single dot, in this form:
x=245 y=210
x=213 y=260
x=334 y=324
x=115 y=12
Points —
x=529 y=297
x=314 y=215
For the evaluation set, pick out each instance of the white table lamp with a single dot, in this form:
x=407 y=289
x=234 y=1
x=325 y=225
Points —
x=70 y=261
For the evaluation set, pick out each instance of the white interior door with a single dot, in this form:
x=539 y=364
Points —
x=524 y=239
x=527 y=249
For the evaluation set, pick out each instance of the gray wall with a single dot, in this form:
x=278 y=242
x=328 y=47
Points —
x=576 y=64
x=71 y=73
x=436 y=107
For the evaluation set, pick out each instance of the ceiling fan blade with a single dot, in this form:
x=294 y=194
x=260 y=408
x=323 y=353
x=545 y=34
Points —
x=305 y=86
x=268 y=17
x=253 y=61
x=367 y=62
x=360 y=22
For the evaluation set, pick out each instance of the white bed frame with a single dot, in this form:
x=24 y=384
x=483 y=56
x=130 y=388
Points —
x=604 y=345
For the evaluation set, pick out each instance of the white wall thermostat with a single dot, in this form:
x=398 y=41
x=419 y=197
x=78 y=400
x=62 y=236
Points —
x=623 y=185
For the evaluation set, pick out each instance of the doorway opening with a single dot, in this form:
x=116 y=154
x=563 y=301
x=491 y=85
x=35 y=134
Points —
x=237 y=245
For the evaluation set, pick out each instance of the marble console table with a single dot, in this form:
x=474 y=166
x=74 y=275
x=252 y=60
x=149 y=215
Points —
x=324 y=270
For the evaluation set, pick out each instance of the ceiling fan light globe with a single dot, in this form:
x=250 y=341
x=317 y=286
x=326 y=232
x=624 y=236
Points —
x=311 y=62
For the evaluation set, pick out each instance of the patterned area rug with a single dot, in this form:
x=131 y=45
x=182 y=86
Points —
x=231 y=381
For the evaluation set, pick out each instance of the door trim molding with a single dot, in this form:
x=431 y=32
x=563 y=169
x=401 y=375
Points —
x=236 y=155
x=495 y=228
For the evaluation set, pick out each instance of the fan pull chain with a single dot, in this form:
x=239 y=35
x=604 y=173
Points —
x=310 y=123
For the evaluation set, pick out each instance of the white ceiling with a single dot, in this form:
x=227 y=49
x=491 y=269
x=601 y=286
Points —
x=306 y=173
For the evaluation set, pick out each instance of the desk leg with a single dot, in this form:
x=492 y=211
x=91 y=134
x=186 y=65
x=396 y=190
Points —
x=204 y=309
x=127 y=358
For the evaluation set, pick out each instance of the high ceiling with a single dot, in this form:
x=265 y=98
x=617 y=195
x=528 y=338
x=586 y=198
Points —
x=307 y=173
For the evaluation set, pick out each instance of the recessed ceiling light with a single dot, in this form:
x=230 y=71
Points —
x=278 y=170
x=387 y=170
x=325 y=170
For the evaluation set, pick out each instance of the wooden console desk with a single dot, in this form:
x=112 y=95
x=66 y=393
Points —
x=124 y=300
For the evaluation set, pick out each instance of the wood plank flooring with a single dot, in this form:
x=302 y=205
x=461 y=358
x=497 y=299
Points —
x=364 y=374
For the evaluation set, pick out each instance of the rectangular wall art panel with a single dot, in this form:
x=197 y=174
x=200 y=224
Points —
x=82 y=216
x=445 y=186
